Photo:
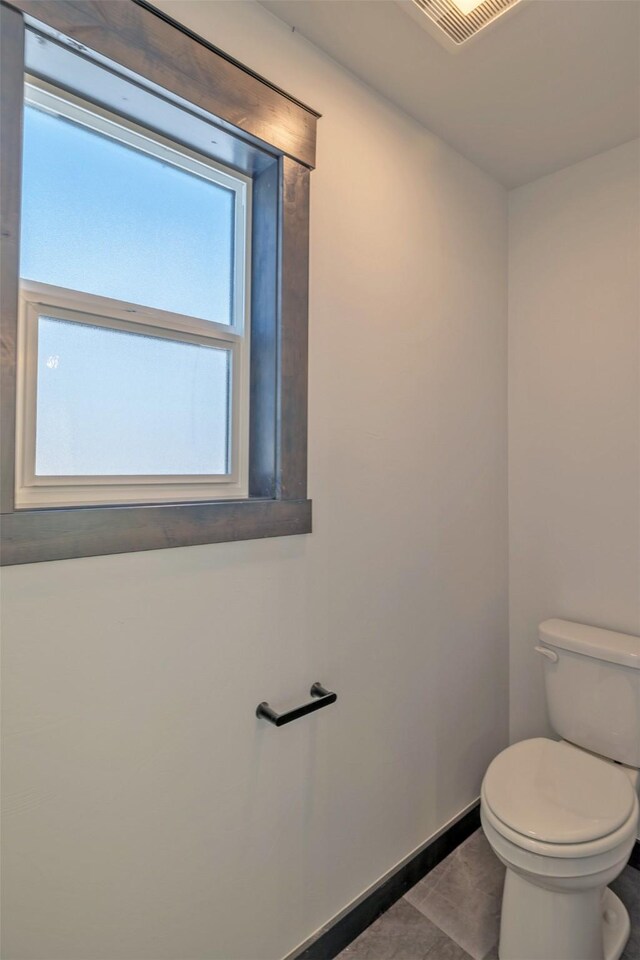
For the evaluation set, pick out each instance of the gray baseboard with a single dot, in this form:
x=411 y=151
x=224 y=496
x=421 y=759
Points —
x=333 y=939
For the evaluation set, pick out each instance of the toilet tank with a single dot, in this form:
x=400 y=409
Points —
x=592 y=680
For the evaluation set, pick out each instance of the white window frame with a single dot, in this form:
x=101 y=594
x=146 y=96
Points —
x=39 y=299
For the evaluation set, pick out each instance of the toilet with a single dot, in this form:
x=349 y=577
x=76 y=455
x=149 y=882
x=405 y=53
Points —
x=562 y=815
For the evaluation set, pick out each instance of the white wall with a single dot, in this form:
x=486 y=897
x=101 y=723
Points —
x=149 y=815
x=574 y=410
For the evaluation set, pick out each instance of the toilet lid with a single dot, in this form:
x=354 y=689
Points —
x=557 y=793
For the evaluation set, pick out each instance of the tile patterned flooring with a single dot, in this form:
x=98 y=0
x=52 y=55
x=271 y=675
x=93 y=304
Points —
x=454 y=912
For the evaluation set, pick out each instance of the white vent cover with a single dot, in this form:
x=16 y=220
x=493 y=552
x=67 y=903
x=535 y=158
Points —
x=454 y=27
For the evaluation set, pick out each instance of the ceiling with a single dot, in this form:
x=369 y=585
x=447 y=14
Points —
x=549 y=84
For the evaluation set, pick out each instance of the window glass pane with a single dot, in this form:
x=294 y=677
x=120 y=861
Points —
x=108 y=219
x=111 y=402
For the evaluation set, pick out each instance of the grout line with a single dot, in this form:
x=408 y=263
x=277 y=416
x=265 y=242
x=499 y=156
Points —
x=455 y=906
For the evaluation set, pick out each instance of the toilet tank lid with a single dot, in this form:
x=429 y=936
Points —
x=593 y=642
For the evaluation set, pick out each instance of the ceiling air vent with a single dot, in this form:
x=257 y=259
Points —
x=457 y=23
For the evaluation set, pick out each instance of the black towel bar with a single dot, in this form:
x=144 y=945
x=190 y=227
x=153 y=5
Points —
x=322 y=698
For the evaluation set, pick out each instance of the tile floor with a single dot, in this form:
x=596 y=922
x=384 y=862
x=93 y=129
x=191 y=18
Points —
x=454 y=912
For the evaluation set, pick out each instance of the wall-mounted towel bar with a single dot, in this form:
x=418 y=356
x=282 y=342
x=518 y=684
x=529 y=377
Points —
x=322 y=698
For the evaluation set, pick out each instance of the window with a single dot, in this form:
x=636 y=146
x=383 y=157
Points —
x=154 y=288
x=133 y=360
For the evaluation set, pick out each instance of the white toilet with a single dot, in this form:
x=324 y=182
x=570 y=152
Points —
x=563 y=815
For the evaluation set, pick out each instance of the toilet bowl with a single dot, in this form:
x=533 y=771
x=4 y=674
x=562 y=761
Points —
x=564 y=823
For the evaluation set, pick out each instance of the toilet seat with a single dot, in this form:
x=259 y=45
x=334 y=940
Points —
x=555 y=800
x=554 y=853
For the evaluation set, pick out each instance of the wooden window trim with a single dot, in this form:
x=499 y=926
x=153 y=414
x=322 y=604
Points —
x=131 y=35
